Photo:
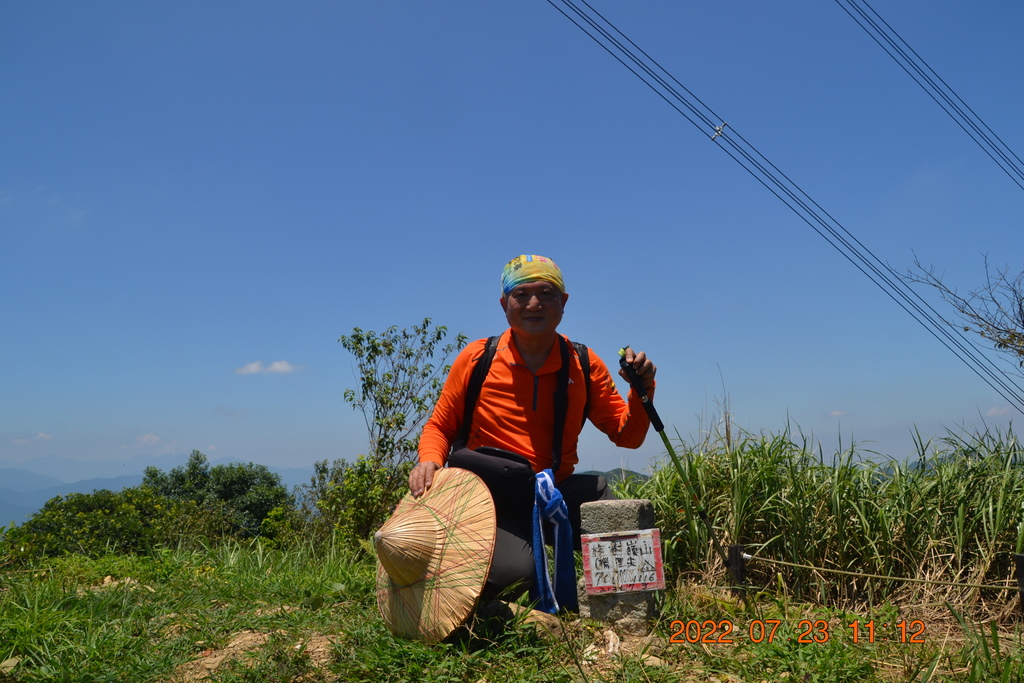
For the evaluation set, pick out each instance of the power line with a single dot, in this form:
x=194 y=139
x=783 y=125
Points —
x=943 y=95
x=626 y=52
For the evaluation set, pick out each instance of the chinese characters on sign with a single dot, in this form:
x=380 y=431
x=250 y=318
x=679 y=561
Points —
x=623 y=561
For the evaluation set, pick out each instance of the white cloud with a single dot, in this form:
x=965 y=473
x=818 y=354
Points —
x=250 y=368
x=278 y=366
x=20 y=442
x=837 y=413
x=43 y=437
x=149 y=439
x=999 y=412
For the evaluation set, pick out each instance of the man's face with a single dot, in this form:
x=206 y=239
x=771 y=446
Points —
x=534 y=308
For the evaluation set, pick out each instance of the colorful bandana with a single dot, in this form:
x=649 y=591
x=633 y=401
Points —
x=530 y=268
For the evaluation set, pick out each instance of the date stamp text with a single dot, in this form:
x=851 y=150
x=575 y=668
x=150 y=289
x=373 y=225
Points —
x=805 y=631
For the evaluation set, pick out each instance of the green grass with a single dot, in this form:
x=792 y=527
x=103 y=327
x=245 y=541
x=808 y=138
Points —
x=138 y=618
x=144 y=618
x=954 y=514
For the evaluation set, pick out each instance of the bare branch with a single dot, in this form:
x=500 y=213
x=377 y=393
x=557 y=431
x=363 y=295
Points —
x=995 y=311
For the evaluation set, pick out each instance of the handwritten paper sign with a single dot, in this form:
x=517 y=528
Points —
x=623 y=561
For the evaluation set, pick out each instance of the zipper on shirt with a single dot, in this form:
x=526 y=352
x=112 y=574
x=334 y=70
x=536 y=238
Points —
x=536 y=382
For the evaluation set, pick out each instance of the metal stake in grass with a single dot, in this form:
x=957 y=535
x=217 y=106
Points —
x=659 y=427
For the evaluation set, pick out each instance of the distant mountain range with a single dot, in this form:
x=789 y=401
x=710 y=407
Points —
x=619 y=474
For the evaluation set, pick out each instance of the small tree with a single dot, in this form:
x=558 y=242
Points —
x=995 y=311
x=400 y=379
x=401 y=373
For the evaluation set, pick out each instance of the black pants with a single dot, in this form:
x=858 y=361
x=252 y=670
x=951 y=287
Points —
x=510 y=480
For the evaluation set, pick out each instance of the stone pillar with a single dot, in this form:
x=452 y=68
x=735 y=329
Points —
x=631 y=612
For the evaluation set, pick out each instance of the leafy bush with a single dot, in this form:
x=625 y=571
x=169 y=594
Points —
x=309 y=520
x=94 y=523
x=245 y=493
x=361 y=496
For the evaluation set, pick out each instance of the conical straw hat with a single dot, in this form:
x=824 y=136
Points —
x=433 y=556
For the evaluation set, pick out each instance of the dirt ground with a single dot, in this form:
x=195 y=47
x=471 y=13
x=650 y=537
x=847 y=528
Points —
x=602 y=655
x=244 y=643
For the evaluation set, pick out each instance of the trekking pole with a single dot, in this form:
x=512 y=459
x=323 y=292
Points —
x=659 y=427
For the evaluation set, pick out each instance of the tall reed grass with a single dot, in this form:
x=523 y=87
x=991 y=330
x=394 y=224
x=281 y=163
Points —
x=953 y=514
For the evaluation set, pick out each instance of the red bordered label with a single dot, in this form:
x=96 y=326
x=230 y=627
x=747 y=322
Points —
x=623 y=561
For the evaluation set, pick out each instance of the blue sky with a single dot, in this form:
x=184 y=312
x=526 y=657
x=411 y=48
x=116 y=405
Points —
x=189 y=189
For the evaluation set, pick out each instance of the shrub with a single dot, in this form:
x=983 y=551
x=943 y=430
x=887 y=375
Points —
x=361 y=495
x=244 y=493
x=93 y=523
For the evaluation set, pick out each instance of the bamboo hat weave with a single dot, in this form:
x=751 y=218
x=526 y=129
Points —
x=433 y=556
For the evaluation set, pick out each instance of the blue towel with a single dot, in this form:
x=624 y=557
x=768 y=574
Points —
x=548 y=504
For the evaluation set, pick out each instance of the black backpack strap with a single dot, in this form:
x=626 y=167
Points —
x=561 y=405
x=476 y=382
x=584 y=355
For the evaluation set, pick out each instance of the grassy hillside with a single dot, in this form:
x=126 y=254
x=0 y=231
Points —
x=861 y=572
x=245 y=613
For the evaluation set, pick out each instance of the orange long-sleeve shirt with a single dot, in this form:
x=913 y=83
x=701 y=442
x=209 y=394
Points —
x=515 y=410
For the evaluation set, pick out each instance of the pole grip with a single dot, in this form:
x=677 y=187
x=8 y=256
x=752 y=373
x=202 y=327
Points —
x=638 y=387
